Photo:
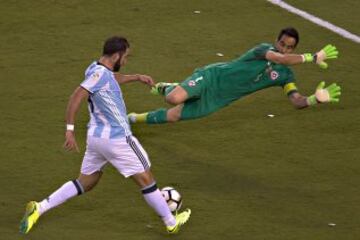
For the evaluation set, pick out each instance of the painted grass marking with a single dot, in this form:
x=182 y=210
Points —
x=342 y=32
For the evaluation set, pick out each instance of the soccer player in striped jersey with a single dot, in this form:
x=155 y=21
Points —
x=215 y=86
x=109 y=139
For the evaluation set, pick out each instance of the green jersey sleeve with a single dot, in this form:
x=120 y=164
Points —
x=261 y=50
x=290 y=76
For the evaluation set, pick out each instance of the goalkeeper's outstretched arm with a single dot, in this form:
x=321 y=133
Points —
x=329 y=94
x=328 y=52
x=299 y=101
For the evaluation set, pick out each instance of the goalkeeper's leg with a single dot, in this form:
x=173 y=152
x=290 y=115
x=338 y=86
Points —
x=191 y=109
x=174 y=94
x=178 y=93
x=158 y=116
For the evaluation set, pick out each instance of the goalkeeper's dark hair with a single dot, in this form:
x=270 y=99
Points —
x=115 y=44
x=291 y=32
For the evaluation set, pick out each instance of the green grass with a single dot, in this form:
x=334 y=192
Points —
x=244 y=175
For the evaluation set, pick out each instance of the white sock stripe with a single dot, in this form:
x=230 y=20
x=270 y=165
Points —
x=150 y=189
x=80 y=186
x=149 y=186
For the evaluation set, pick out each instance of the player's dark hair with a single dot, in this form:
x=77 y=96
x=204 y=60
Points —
x=115 y=44
x=291 y=32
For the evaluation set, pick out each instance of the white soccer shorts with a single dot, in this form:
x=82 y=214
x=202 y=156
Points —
x=125 y=154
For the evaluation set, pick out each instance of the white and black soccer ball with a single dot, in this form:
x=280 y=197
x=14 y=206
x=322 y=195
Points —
x=172 y=197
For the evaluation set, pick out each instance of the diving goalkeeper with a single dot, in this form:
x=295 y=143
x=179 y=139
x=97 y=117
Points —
x=215 y=86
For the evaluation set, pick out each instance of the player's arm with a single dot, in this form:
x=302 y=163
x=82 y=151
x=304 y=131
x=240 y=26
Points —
x=285 y=59
x=72 y=108
x=322 y=95
x=299 y=101
x=328 y=52
x=122 y=79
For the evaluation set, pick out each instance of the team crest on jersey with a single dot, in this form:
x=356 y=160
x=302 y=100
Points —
x=274 y=75
x=191 y=83
x=95 y=77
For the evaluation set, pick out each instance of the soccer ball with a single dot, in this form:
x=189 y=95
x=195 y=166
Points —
x=172 y=197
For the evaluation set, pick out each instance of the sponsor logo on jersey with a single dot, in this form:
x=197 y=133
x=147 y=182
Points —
x=274 y=75
x=191 y=83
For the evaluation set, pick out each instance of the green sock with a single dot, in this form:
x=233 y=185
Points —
x=156 y=117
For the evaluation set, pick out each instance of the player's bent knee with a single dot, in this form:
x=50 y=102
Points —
x=173 y=116
x=174 y=99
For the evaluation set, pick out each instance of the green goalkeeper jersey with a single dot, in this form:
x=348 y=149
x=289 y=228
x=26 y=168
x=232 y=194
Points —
x=249 y=73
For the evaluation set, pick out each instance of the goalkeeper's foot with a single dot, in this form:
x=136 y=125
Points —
x=31 y=216
x=159 y=88
x=137 y=117
x=132 y=117
x=181 y=219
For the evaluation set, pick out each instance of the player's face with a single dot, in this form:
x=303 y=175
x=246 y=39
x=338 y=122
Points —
x=122 y=60
x=124 y=57
x=286 y=44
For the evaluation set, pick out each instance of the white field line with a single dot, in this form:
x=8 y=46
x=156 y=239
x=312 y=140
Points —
x=342 y=32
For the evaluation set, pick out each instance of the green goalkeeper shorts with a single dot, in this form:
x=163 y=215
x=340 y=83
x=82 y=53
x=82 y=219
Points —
x=201 y=99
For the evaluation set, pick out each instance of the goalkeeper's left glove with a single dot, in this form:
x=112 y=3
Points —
x=323 y=95
x=328 y=52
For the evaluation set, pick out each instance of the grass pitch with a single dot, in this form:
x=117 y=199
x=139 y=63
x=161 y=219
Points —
x=245 y=176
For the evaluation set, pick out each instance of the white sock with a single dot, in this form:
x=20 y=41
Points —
x=156 y=200
x=65 y=192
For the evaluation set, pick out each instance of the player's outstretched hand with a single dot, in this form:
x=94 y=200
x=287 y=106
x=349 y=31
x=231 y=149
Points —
x=328 y=52
x=70 y=142
x=330 y=93
x=146 y=79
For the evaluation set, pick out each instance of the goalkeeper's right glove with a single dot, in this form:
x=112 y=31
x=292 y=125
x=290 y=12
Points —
x=323 y=95
x=328 y=52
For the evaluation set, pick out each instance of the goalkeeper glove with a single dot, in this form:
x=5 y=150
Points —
x=323 y=95
x=328 y=52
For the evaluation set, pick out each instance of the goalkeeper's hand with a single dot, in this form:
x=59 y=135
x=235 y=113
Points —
x=323 y=95
x=328 y=52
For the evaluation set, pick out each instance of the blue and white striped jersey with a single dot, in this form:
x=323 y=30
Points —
x=108 y=118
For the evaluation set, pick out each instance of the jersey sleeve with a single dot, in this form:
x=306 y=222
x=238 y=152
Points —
x=261 y=50
x=94 y=82
x=289 y=85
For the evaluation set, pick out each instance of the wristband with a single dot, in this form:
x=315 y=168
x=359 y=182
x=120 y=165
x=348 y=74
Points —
x=307 y=57
x=312 y=100
x=70 y=127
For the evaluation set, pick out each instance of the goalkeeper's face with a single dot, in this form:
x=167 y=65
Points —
x=285 y=44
